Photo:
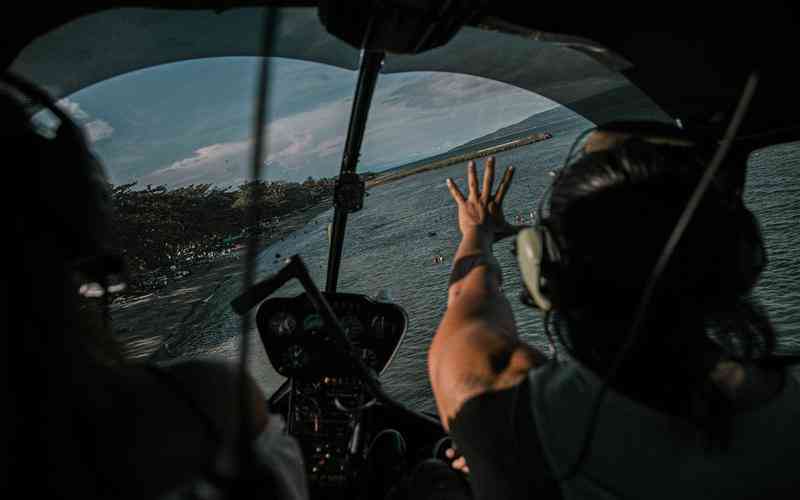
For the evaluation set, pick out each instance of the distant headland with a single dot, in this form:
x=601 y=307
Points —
x=457 y=157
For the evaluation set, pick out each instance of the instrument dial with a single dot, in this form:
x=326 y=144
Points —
x=369 y=357
x=296 y=357
x=307 y=406
x=312 y=323
x=352 y=327
x=379 y=327
x=310 y=388
x=282 y=323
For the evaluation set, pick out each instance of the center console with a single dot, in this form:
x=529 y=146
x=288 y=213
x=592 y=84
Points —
x=328 y=401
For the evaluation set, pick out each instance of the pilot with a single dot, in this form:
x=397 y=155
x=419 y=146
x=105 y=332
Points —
x=83 y=422
x=679 y=396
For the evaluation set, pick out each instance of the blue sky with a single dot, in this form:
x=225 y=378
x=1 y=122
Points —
x=191 y=122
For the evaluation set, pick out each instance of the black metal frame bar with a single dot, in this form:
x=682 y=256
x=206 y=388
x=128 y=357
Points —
x=371 y=64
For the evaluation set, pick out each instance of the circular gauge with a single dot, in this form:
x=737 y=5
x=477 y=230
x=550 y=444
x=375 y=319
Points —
x=312 y=323
x=352 y=327
x=282 y=323
x=369 y=357
x=379 y=326
x=310 y=388
x=307 y=406
x=295 y=357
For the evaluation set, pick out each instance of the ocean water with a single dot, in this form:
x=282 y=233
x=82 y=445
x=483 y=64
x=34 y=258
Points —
x=390 y=247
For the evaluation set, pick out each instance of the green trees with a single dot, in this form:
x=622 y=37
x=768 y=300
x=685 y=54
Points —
x=157 y=227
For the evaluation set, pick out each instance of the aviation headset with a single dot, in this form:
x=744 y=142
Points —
x=71 y=191
x=542 y=261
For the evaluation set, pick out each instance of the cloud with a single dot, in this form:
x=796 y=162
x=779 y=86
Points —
x=96 y=129
x=216 y=164
x=331 y=146
x=421 y=114
x=210 y=153
x=296 y=142
x=73 y=109
x=445 y=90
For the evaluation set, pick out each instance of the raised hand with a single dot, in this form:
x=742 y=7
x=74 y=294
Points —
x=481 y=211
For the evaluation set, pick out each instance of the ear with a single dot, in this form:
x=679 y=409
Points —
x=530 y=253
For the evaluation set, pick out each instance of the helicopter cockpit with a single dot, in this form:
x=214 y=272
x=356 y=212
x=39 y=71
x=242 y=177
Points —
x=341 y=362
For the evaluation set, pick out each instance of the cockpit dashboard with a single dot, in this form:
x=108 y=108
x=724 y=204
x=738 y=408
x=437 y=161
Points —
x=328 y=406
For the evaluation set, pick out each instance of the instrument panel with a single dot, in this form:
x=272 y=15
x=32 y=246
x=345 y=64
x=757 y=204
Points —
x=298 y=343
x=327 y=398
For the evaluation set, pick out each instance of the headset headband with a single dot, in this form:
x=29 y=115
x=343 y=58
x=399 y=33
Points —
x=539 y=254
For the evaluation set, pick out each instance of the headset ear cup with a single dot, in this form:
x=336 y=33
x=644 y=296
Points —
x=531 y=251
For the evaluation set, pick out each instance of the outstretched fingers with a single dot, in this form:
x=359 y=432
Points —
x=485 y=194
x=472 y=180
x=455 y=192
x=504 y=185
x=488 y=179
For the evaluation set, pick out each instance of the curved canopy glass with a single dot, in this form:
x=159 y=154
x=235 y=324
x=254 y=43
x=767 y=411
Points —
x=167 y=101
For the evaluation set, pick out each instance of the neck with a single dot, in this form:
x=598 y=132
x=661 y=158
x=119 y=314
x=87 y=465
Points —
x=667 y=359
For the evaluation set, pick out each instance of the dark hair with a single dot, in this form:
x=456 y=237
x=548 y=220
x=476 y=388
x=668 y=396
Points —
x=63 y=356
x=64 y=222
x=611 y=213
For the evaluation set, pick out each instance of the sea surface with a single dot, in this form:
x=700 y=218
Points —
x=390 y=247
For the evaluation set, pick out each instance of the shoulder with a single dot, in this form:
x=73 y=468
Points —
x=215 y=388
x=166 y=424
x=497 y=433
x=474 y=363
x=561 y=394
x=195 y=371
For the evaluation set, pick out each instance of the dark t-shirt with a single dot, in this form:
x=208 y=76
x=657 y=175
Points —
x=496 y=433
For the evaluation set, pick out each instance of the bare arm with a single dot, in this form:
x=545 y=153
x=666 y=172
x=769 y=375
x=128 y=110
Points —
x=476 y=348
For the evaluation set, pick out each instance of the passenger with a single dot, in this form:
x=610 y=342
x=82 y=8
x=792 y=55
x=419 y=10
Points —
x=697 y=409
x=84 y=422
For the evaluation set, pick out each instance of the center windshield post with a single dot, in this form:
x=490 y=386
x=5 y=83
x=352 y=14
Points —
x=349 y=187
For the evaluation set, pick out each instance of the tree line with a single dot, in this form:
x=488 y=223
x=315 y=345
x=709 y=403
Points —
x=157 y=227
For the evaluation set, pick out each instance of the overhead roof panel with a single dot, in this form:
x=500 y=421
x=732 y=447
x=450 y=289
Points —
x=105 y=44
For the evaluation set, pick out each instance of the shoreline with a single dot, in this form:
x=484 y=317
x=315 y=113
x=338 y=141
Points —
x=143 y=322
x=459 y=158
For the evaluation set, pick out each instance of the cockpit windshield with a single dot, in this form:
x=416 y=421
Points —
x=177 y=140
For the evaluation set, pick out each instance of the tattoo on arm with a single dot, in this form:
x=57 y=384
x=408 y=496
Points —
x=463 y=266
